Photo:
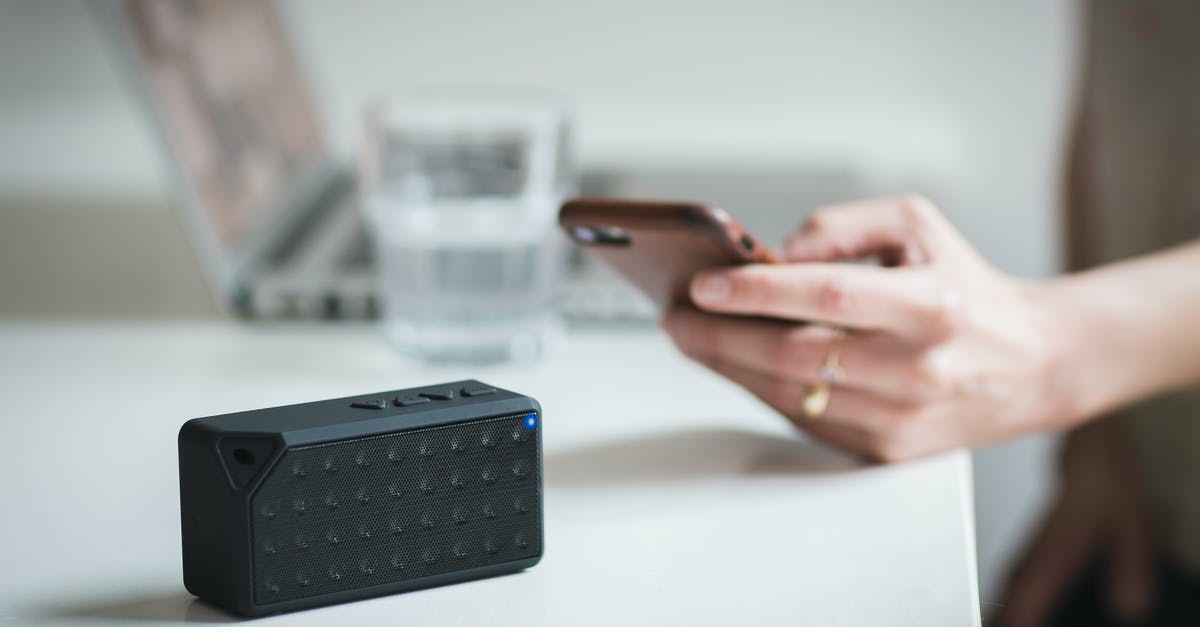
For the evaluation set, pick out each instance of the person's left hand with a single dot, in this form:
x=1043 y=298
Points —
x=935 y=351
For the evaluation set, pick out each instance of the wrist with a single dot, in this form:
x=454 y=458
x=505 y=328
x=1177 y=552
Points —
x=1077 y=382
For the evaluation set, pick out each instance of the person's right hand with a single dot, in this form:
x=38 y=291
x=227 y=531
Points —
x=1099 y=510
x=933 y=350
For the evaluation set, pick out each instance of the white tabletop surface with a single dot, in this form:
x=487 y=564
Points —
x=672 y=497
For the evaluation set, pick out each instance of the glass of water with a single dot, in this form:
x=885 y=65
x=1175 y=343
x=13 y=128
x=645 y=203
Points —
x=461 y=189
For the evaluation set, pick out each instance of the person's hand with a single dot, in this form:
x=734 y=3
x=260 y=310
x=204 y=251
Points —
x=935 y=349
x=1099 y=511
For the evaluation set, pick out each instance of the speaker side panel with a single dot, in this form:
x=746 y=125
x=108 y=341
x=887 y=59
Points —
x=215 y=531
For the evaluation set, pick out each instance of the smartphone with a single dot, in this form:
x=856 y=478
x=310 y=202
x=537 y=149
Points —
x=659 y=245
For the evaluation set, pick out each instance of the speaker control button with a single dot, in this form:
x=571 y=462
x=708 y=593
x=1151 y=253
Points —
x=439 y=395
x=377 y=403
x=477 y=390
x=409 y=401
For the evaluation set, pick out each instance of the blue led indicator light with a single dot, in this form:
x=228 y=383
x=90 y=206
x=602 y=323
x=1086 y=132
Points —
x=530 y=422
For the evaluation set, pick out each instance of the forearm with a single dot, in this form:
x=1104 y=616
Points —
x=1126 y=331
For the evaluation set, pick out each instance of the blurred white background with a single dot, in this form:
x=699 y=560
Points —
x=965 y=101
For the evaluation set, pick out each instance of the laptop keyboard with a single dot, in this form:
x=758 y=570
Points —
x=360 y=254
x=331 y=276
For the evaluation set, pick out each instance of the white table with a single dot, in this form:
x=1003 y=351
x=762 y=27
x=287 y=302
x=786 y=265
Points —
x=672 y=497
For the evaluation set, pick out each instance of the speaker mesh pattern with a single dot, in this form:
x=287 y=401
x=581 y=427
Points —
x=384 y=509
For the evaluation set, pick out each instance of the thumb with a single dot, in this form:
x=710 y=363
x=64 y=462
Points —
x=892 y=229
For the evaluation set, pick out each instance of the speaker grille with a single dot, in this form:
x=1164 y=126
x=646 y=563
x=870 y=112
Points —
x=394 y=507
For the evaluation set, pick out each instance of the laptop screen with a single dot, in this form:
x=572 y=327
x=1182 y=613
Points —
x=232 y=102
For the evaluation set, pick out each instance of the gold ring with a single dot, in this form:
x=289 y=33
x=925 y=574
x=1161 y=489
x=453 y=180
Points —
x=815 y=401
x=816 y=397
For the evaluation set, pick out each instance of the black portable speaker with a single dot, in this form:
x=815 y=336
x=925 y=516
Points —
x=302 y=505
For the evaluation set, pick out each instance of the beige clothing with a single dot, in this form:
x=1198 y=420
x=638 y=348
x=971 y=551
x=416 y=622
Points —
x=1136 y=188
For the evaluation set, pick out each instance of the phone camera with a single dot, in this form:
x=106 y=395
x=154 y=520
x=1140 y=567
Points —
x=584 y=234
x=600 y=235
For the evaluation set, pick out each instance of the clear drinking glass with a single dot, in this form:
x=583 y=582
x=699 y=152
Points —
x=461 y=189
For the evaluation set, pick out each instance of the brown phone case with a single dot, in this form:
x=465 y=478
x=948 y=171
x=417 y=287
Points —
x=660 y=245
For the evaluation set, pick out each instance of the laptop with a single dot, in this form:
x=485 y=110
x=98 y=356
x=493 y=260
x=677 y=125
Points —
x=272 y=215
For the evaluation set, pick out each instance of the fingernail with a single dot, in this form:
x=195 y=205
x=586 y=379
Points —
x=713 y=288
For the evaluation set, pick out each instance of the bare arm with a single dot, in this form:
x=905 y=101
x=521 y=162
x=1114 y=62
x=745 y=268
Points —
x=1128 y=330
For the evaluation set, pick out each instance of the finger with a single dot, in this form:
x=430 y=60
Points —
x=872 y=418
x=907 y=230
x=1064 y=544
x=1130 y=582
x=845 y=438
x=848 y=438
x=797 y=352
x=907 y=302
x=858 y=229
